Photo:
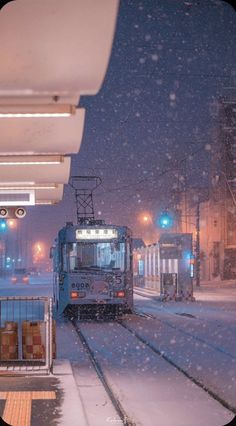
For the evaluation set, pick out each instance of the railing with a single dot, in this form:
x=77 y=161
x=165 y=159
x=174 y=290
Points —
x=27 y=333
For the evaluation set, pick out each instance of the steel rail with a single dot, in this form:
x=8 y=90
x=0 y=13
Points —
x=197 y=382
x=199 y=339
x=114 y=400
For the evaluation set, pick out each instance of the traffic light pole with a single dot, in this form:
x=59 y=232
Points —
x=198 y=260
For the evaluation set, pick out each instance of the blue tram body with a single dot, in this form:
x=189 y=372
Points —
x=93 y=268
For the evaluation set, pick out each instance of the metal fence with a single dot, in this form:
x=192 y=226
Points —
x=27 y=333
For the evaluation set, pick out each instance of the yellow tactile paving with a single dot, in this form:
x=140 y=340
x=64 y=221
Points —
x=43 y=395
x=17 y=409
x=17 y=412
x=3 y=395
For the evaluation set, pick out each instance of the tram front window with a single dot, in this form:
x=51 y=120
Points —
x=105 y=256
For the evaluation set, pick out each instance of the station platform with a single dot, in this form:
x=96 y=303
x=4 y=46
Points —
x=29 y=400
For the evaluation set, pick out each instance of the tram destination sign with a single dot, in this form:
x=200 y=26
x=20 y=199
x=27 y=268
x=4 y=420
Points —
x=96 y=234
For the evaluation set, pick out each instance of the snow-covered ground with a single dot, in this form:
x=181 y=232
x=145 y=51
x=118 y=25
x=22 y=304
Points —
x=199 y=338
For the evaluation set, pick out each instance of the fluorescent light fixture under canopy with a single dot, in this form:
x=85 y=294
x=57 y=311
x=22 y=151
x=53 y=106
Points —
x=37 y=110
x=25 y=186
x=12 y=160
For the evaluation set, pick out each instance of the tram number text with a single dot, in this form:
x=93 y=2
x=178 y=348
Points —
x=80 y=286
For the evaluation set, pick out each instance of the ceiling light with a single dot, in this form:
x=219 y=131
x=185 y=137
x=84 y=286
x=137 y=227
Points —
x=46 y=202
x=17 y=197
x=13 y=160
x=20 y=185
x=14 y=183
x=29 y=111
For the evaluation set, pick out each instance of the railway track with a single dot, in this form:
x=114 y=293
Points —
x=156 y=300
x=188 y=334
x=177 y=328
x=124 y=418
x=159 y=352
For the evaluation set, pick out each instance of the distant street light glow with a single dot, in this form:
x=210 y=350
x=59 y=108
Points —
x=11 y=223
x=145 y=218
x=38 y=252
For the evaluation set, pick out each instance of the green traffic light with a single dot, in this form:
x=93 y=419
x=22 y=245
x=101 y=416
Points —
x=3 y=225
x=165 y=220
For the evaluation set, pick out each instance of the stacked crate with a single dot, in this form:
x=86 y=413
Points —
x=9 y=341
x=34 y=339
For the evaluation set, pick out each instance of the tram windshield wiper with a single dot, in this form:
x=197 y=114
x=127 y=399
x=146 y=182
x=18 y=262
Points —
x=97 y=268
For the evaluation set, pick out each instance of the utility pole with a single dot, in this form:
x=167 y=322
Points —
x=198 y=260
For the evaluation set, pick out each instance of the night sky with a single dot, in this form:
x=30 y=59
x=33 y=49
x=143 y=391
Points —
x=151 y=129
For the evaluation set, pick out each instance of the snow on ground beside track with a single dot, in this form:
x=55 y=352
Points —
x=38 y=286
x=149 y=388
x=216 y=370
x=97 y=407
x=208 y=325
x=206 y=346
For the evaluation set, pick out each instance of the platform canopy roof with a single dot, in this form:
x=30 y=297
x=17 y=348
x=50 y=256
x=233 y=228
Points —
x=40 y=135
x=52 y=52
x=21 y=174
x=49 y=196
x=55 y=47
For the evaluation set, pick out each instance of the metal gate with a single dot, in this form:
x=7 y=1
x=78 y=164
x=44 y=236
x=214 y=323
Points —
x=27 y=334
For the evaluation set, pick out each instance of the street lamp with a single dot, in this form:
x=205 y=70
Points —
x=11 y=223
x=145 y=218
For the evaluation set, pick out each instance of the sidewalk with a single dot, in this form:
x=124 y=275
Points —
x=204 y=285
x=42 y=400
x=217 y=284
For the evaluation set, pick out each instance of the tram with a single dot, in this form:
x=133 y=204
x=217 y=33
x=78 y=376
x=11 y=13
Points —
x=93 y=269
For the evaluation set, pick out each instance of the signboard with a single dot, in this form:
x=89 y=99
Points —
x=170 y=251
x=96 y=234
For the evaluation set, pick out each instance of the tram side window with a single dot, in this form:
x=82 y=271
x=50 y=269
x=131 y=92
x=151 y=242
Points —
x=64 y=258
x=128 y=257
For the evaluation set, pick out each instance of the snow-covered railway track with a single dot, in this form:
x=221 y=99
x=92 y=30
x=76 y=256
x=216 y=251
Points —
x=188 y=334
x=114 y=400
x=194 y=380
x=215 y=327
x=143 y=383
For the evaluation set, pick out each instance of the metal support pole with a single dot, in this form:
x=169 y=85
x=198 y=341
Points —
x=47 y=336
x=198 y=260
x=50 y=334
